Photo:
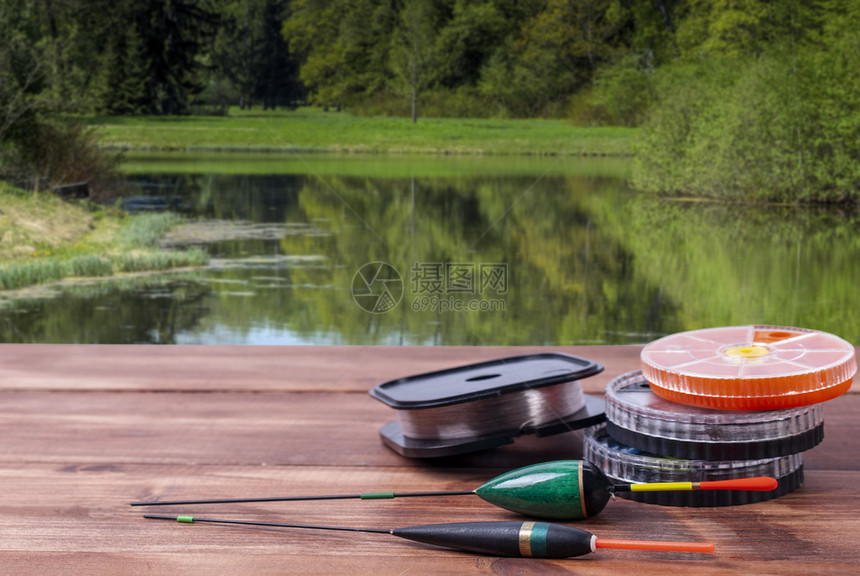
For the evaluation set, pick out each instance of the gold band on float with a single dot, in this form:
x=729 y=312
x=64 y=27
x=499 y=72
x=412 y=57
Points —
x=526 y=539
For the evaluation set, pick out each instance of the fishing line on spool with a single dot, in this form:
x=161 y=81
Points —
x=639 y=418
x=488 y=404
x=622 y=463
x=523 y=411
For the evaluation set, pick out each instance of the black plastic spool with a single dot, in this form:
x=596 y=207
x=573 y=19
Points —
x=624 y=464
x=631 y=394
x=470 y=385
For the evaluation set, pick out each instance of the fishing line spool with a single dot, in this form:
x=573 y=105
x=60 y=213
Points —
x=625 y=464
x=753 y=367
x=488 y=404
x=641 y=419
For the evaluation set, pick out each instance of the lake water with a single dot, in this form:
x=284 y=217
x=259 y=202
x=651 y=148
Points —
x=320 y=249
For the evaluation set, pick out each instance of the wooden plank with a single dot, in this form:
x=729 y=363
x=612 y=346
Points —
x=260 y=368
x=224 y=428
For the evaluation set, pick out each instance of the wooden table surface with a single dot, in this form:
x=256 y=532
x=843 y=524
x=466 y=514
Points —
x=85 y=430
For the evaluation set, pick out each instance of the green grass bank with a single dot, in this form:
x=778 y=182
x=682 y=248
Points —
x=44 y=239
x=315 y=130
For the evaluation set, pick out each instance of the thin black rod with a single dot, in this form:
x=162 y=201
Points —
x=194 y=520
x=241 y=500
x=365 y=496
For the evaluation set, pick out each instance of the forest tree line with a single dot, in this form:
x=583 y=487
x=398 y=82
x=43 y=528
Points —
x=521 y=58
x=696 y=74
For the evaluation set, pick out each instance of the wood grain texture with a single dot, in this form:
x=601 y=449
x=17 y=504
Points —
x=84 y=430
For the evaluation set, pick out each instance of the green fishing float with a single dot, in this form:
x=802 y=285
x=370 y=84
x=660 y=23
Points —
x=560 y=490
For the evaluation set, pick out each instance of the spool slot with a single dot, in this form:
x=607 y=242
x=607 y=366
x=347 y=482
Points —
x=482 y=377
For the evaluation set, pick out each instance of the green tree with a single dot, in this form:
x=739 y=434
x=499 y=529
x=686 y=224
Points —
x=343 y=46
x=467 y=40
x=413 y=57
x=36 y=143
x=833 y=141
x=127 y=67
x=142 y=57
x=232 y=46
x=623 y=92
x=23 y=70
x=766 y=111
x=251 y=54
x=276 y=73
x=649 y=29
x=174 y=34
x=312 y=31
x=744 y=28
x=555 y=54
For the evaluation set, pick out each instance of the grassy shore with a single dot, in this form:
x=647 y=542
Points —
x=44 y=239
x=370 y=165
x=310 y=129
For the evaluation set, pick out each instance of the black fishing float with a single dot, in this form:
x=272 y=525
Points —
x=525 y=539
x=562 y=490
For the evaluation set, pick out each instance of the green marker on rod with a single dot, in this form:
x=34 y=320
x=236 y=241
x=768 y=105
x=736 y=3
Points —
x=526 y=539
x=562 y=490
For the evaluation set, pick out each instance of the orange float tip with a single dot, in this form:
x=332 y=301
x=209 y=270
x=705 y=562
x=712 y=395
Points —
x=758 y=484
x=656 y=545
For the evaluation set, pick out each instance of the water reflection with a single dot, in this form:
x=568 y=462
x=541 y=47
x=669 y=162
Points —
x=559 y=257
